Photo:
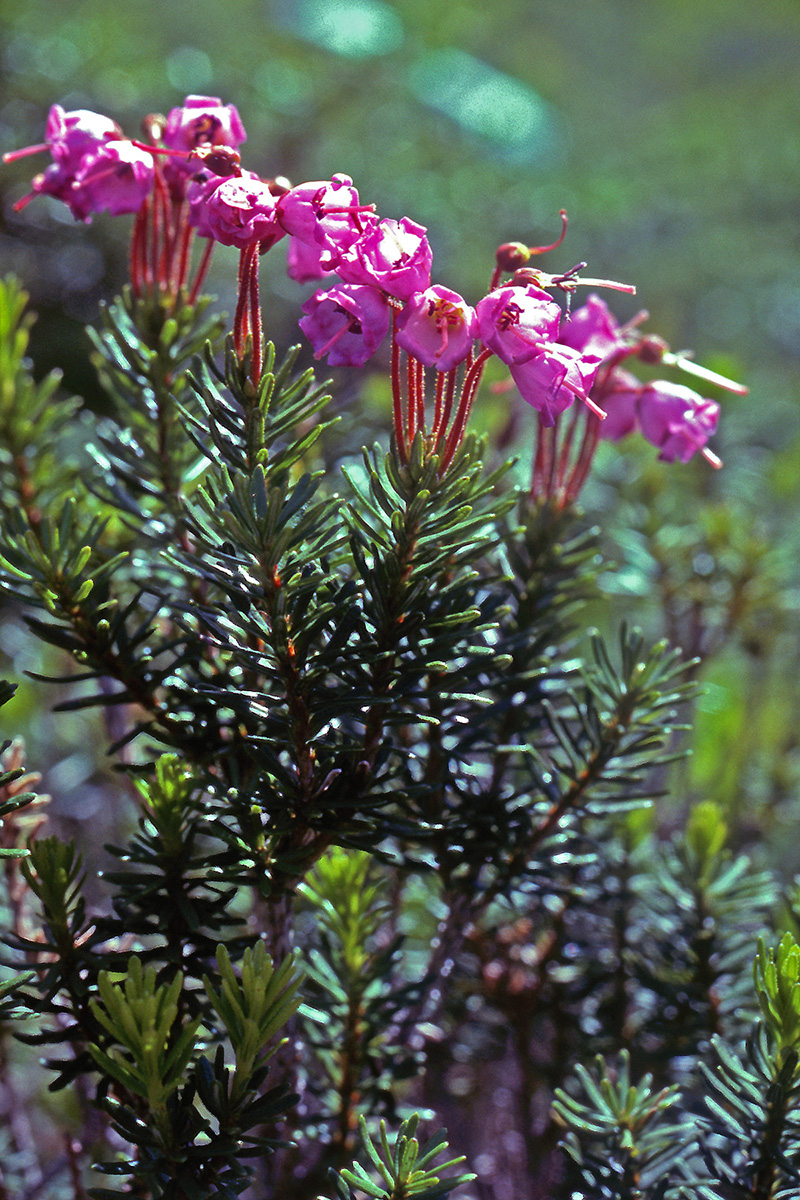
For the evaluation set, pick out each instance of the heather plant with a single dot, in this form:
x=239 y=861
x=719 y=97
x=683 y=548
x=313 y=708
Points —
x=386 y=796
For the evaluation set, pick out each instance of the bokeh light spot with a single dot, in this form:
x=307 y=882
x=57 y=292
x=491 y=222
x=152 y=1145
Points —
x=485 y=102
x=351 y=28
x=189 y=69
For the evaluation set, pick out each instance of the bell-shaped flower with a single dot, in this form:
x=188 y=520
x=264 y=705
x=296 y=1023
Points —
x=242 y=211
x=198 y=190
x=200 y=123
x=438 y=327
x=325 y=213
x=347 y=323
x=392 y=255
x=117 y=176
x=72 y=135
x=619 y=399
x=203 y=121
x=517 y=322
x=552 y=379
x=593 y=329
x=676 y=419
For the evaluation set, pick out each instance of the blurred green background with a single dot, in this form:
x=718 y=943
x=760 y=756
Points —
x=668 y=130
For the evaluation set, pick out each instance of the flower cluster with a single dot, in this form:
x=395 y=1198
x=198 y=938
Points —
x=187 y=181
x=670 y=415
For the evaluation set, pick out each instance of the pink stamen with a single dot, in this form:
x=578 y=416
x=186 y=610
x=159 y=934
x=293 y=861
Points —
x=692 y=368
x=13 y=155
x=608 y=283
x=711 y=458
x=348 y=208
x=161 y=150
x=344 y=329
x=590 y=404
x=23 y=202
x=600 y=413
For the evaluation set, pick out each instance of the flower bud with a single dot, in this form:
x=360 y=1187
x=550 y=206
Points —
x=512 y=255
x=652 y=348
x=219 y=160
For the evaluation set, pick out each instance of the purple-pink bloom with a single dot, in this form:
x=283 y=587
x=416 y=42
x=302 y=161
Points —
x=676 y=419
x=303 y=261
x=71 y=135
x=71 y=138
x=325 y=213
x=348 y=323
x=392 y=255
x=438 y=327
x=116 y=176
x=517 y=322
x=552 y=379
x=198 y=190
x=203 y=121
x=593 y=329
x=619 y=398
x=242 y=211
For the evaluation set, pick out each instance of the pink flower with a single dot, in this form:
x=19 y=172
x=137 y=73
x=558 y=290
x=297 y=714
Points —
x=392 y=255
x=619 y=398
x=593 y=329
x=198 y=190
x=676 y=419
x=517 y=322
x=438 y=327
x=347 y=323
x=117 y=176
x=71 y=138
x=240 y=211
x=71 y=135
x=303 y=261
x=326 y=214
x=552 y=379
x=203 y=121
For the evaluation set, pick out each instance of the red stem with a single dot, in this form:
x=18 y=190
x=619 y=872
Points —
x=202 y=270
x=412 y=407
x=256 y=323
x=419 y=371
x=449 y=398
x=553 y=438
x=397 y=395
x=437 y=404
x=471 y=382
x=241 y=326
x=566 y=447
x=584 y=461
x=183 y=240
x=138 y=238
